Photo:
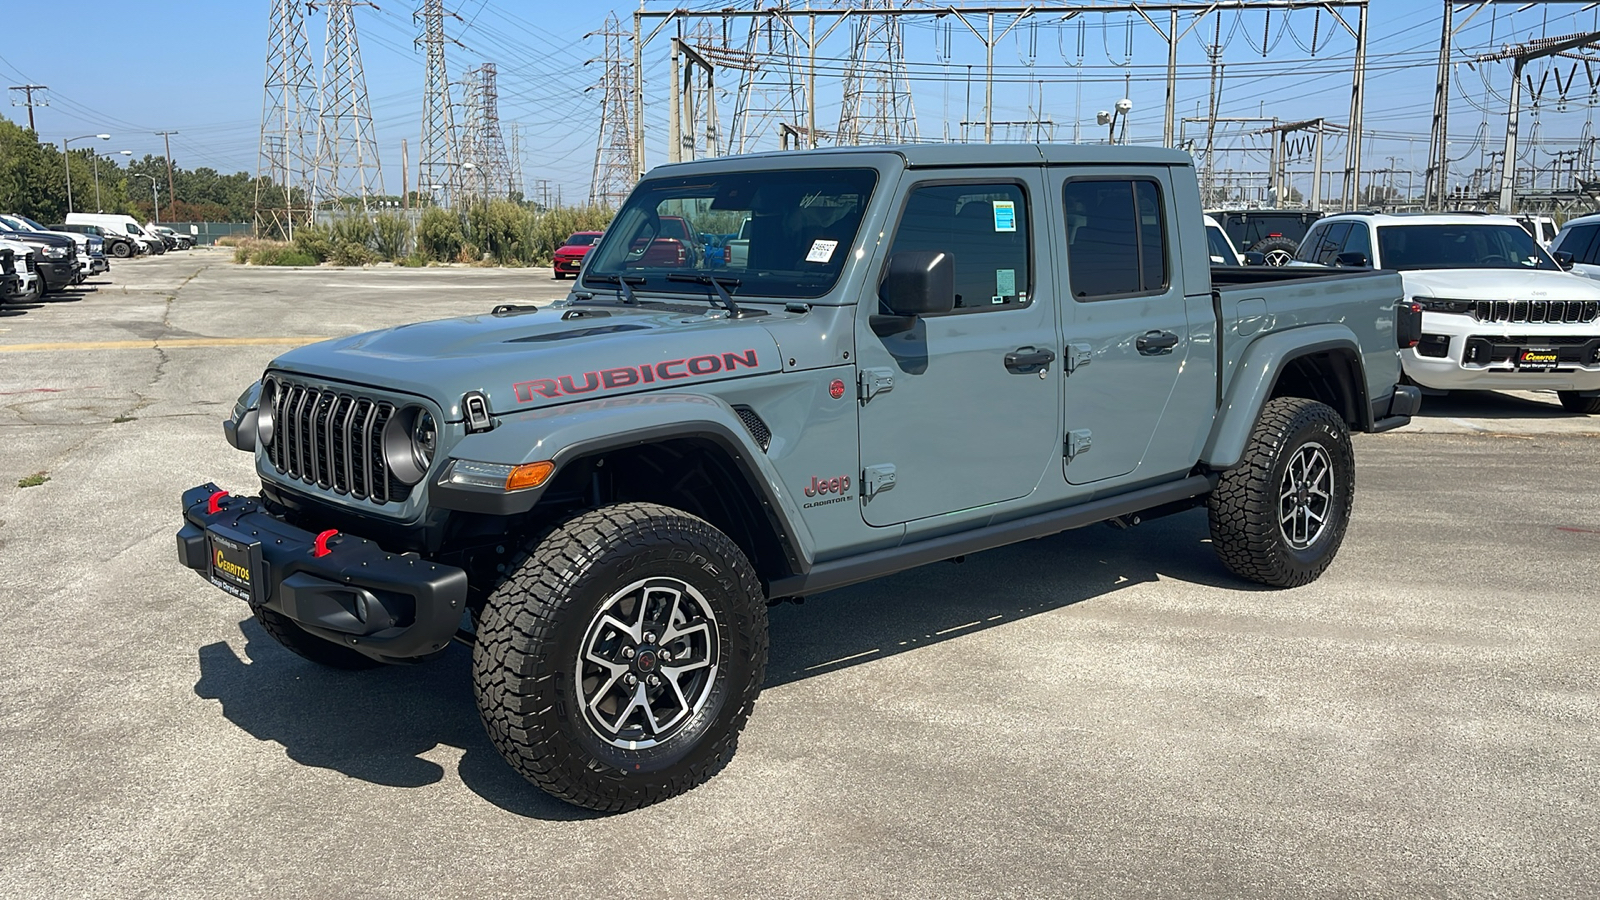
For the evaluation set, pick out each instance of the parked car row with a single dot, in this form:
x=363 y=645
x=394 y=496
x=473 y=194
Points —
x=58 y=260
x=125 y=237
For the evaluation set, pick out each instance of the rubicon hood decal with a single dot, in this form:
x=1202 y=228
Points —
x=605 y=380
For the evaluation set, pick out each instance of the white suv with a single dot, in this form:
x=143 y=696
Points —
x=1498 y=312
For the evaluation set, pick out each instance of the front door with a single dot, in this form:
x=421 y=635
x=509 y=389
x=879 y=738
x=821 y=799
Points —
x=963 y=410
x=1125 y=325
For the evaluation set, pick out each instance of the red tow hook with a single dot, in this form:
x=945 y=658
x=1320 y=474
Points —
x=214 y=505
x=320 y=546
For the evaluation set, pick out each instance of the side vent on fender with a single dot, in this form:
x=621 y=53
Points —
x=753 y=424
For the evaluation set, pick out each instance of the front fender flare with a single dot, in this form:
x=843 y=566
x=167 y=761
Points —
x=1253 y=380
x=566 y=433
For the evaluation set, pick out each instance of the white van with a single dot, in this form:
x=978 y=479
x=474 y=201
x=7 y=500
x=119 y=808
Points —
x=118 y=224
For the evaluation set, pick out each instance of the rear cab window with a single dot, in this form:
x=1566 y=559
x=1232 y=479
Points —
x=1116 y=238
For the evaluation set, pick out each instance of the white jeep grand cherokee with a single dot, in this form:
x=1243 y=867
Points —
x=1498 y=312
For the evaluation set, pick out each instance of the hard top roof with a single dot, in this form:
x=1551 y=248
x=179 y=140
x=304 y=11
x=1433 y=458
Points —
x=934 y=155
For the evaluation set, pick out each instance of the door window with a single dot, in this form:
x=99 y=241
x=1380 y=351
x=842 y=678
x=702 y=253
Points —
x=1359 y=241
x=1116 y=238
x=1579 y=241
x=984 y=229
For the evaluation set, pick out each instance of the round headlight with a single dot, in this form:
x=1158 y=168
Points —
x=424 y=439
x=265 y=406
x=408 y=444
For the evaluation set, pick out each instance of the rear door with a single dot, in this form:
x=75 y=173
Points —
x=1125 y=323
x=953 y=415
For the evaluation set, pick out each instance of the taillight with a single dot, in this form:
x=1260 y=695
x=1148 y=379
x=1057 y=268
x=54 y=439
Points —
x=1408 y=324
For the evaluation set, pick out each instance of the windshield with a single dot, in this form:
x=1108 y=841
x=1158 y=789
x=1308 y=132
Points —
x=802 y=225
x=1467 y=246
x=32 y=224
x=133 y=229
x=581 y=240
x=16 y=223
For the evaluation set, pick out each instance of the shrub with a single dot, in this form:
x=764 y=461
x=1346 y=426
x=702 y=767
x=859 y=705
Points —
x=315 y=241
x=353 y=255
x=391 y=235
x=439 y=234
x=351 y=230
x=280 y=254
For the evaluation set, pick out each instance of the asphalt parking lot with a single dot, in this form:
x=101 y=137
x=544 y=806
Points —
x=1098 y=714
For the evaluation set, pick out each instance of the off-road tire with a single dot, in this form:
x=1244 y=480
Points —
x=1572 y=401
x=1278 y=251
x=121 y=250
x=1246 y=528
x=537 y=622
x=308 y=646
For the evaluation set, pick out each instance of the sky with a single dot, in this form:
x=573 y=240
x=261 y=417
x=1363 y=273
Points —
x=197 y=66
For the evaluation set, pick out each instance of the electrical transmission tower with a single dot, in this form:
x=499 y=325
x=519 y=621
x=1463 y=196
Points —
x=437 y=175
x=288 y=106
x=616 y=167
x=877 y=105
x=483 y=147
x=347 y=149
x=771 y=84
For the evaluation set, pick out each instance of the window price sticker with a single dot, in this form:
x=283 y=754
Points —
x=821 y=251
x=1005 y=215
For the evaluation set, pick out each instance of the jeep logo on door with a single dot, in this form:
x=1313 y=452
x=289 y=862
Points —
x=839 y=486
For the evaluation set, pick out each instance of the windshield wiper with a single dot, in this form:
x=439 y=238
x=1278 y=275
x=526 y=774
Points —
x=716 y=284
x=624 y=285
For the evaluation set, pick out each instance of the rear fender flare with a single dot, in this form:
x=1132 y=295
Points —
x=1256 y=376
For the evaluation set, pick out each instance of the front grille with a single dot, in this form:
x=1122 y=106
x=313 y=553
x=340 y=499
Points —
x=333 y=439
x=1553 y=311
x=32 y=266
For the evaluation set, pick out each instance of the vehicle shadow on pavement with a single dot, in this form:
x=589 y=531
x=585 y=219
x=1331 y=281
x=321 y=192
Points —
x=1490 y=405
x=943 y=601
x=374 y=725
x=378 y=725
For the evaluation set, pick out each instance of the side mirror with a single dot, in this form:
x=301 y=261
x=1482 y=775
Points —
x=919 y=283
x=1564 y=259
x=1352 y=260
x=1255 y=258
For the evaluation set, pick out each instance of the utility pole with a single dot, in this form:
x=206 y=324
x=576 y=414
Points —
x=347 y=148
x=30 y=103
x=172 y=193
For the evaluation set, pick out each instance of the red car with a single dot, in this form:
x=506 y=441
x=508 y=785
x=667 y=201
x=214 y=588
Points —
x=569 y=256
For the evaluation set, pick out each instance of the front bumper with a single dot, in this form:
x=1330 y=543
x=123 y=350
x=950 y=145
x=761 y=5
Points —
x=98 y=264
x=1482 y=356
x=58 y=273
x=567 y=265
x=391 y=607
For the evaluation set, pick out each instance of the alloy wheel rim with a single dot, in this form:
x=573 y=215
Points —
x=1278 y=257
x=647 y=663
x=1305 y=498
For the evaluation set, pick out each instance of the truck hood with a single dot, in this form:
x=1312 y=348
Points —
x=526 y=361
x=1499 y=284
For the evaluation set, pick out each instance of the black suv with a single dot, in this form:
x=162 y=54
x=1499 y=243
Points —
x=1274 y=233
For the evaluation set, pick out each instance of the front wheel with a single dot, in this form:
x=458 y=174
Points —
x=1279 y=516
x=1572 y=401
x=121 y=250
x=622 y=656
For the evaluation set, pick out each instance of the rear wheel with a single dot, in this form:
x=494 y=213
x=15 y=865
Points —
x=1572 y=401
x=1279 y=516
x=617 y=664
x=121 y=250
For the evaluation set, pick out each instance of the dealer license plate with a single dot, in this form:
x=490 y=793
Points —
x=1536 y=359
x=234 y=566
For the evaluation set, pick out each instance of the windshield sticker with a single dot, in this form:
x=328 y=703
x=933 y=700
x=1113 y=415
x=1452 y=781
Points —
x=1005 y=284
x=1005 y=215
x=821 y=251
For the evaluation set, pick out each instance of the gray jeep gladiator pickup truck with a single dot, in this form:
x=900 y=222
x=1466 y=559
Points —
x=923 y=352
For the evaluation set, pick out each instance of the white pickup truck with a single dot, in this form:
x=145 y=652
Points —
x=1498 y=312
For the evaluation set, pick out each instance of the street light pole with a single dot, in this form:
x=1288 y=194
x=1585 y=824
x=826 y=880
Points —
x=67 y=161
